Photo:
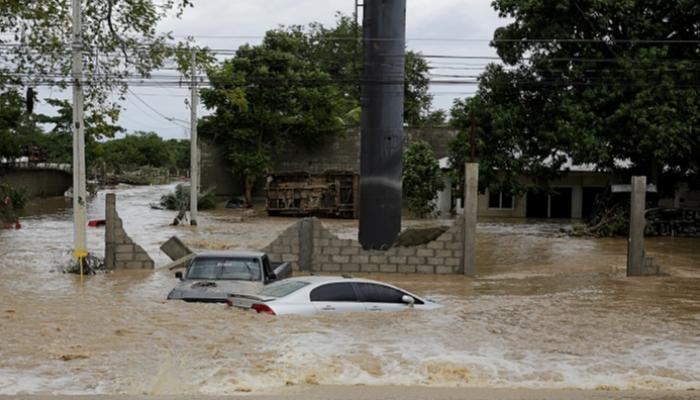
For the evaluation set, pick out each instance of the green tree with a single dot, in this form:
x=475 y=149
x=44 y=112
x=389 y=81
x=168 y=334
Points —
x=120 y=40
x=619 y=84
x=422 y=178
x=336 y=51
x=266 y=97
x=11 y=110
x=417 y=100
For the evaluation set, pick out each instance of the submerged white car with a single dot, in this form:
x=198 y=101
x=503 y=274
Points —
x=329 y=294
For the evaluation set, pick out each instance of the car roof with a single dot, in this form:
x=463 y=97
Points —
x=314 y=279
x=231 y=254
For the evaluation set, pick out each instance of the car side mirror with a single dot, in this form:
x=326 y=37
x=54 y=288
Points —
x=272 y=277
x=178 y=275
x=408 y=300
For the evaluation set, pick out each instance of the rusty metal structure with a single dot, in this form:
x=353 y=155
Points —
x=330 y=194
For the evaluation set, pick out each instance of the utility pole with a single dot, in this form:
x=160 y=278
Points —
x=79 y=190
x=384 y=34
x=194 y=151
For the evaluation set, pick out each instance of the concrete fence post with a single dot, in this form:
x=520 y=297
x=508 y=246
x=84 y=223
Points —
x=306 y=244
x=110 y=228
x=471 y=198
x=635 y=246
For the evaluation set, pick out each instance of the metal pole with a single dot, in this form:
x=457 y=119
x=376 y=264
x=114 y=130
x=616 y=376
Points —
x=384 y=33
x=79 y=190
x=471 y=193
x=635 y=246
x=194 y=153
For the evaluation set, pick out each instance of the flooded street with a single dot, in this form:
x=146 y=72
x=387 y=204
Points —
x=546 y=311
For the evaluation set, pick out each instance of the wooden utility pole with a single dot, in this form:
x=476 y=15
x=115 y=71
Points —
x=194 y=151
x=79 y=189
x=635 y=246
x=471 y=198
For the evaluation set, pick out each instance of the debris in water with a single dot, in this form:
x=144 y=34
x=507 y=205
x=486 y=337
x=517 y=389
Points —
x=71 y=357
x=91 y=266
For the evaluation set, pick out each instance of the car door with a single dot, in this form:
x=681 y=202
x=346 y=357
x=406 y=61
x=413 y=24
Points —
x=378 y=297
x=335 y=297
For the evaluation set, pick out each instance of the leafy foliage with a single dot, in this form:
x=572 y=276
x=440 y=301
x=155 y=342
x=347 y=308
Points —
x=421 y=178
x=145 y=149
x=266 y=97
x=11 y=201
x=619 y=84
x=179 y=199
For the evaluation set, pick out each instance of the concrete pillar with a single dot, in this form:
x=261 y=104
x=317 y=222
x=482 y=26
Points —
x=444 y=201
x=306 y=244
x=110 y=229
x=635 y=246
x=576 y=202
x=471 y=197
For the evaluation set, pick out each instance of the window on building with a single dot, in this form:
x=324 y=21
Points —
x=500 y=200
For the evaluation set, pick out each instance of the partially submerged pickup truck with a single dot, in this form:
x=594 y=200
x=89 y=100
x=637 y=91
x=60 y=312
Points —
x=211 y=277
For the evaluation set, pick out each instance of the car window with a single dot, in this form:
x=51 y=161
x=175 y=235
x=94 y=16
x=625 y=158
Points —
x=242 y=269
x=376 y=293
x=334 y=292
x=282 y=288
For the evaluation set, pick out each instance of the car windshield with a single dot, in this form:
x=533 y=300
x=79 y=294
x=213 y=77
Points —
x=238 y=269
x=282 y=288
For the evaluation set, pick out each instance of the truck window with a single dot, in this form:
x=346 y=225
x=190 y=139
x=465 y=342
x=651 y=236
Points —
x=214 y=268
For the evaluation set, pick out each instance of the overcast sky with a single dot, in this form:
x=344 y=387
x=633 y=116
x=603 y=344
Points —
x=426 y=20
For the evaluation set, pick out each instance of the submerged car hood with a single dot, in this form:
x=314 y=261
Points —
x=212 y=290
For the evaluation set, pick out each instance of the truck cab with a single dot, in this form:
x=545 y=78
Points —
x=211 y=277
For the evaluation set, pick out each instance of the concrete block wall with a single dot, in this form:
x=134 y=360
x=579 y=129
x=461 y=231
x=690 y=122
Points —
x=120 y=250
x=328 y=253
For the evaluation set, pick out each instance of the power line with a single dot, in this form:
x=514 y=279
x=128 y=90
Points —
x=170 y=119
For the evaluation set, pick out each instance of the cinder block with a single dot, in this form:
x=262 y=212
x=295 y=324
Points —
x=443 y=253
x=447 y=237
x=142 y=256
x=330 y=267
x=425 y=269
x=331 y=250
x=349 y=251
x=415 y=260
x=290 y=257
x=323 y=242
x=360 y=259
x=397 y=259
x=351 y=267
x=323 y=258
x=134 y=265
x=453 y=261
x=124 y=256
x=436 y=245
x=340 y=259
x=406 y=251
x=124 y=248
x=281 y=249
x=377 y=259
x=436 y=261
x=148 y=264
x=443 y=270
x=425 y=252
x=453 y=245
x=369 y=268
x=390 y=268
x=337 y=243
x=407 y=269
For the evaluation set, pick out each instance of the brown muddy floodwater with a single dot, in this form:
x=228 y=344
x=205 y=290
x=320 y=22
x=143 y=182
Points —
x=546 y=311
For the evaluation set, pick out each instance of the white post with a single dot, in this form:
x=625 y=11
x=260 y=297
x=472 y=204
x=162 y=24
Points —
x=79 y=190
x=194 y=153
x=471 y=198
